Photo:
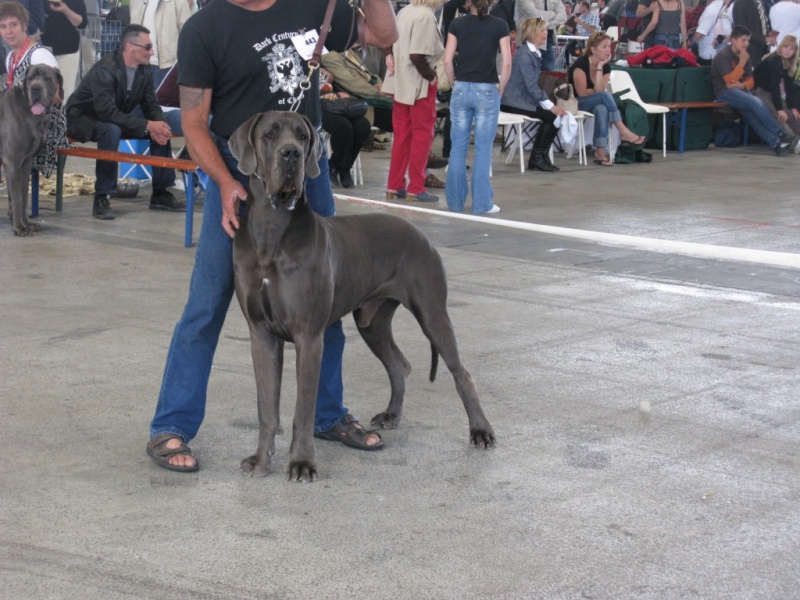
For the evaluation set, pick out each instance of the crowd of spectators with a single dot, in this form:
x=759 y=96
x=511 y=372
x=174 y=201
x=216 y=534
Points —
x=418 y=82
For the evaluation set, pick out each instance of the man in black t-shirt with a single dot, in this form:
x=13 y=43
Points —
x=237 y=58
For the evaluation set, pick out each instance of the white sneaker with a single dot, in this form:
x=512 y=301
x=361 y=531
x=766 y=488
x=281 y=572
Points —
x=493 y=211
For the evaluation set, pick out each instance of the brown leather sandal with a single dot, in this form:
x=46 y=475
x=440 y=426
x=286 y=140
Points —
x=351 y=433
x=158 y=451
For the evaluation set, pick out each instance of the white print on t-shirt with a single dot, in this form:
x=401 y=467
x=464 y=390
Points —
x=285 y=69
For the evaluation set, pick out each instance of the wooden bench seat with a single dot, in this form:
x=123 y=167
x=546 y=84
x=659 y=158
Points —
x=677 y=115
x=188 y=168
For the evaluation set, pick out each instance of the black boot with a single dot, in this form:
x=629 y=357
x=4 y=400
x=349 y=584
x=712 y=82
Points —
x=347 y=179
x=102 y=208
x=544 y=139
x=538 y=161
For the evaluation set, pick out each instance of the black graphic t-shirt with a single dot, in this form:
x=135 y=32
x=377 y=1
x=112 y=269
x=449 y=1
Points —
x=249 y=61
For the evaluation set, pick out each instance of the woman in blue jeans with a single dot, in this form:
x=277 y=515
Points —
x=470 y=62
x=589 y=77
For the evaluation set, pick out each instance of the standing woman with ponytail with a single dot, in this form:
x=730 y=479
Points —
x=470 y=61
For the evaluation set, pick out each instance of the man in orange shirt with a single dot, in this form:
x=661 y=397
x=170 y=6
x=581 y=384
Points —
x=732 y=78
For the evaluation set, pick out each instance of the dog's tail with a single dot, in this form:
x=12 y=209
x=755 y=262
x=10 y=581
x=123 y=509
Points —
x=434 y=362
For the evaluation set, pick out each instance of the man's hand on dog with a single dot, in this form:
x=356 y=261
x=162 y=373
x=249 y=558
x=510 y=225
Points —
x=232 y=193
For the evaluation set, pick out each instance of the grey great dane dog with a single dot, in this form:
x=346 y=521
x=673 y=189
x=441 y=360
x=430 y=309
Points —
x=296 y=273
x=24 y=121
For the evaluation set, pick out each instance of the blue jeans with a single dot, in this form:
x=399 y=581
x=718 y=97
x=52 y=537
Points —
x=755 y=112
x=107 y=135
x=182 y=400
x=605 y=111
x=670 y=40
x=478 y=102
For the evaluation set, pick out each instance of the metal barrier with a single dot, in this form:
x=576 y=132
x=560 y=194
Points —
x=100 y=37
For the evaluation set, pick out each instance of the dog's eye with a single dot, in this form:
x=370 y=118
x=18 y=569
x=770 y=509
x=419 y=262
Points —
x=268 y=135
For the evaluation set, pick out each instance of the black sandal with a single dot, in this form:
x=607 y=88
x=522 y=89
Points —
x=351 y=433
x=637 y=142
x=158 y=451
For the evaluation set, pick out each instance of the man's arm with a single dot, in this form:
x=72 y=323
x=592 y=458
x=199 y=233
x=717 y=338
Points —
x=149 y=103
x=105 y=104
x=559 y=16
x=590 y=23
x=182 y=12
x=195 y=111
x=73 y=10
x=526 y=9
x=380 y=26
x=651 y=25
x=739 y=76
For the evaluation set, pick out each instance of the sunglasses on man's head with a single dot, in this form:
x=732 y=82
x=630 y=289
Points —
x=147 y=47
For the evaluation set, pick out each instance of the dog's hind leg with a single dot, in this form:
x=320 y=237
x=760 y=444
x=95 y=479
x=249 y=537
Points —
x=267 y=351
x=374 y=322
x=435 y=322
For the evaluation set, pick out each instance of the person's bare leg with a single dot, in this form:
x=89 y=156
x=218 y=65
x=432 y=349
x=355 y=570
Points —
x=626 y=135
x=601 y=157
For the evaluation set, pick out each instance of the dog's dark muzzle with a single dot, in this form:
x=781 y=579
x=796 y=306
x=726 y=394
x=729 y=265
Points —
x=37 y=92
x=290 y=161
x=291 y=157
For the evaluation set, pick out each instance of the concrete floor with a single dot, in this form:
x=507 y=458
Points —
x=646 y=407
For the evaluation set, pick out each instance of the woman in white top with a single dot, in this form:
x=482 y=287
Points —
x=714 y=29
x=25 y=52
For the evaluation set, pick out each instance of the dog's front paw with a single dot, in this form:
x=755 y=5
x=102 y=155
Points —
x=302 y=470
x=482 y=438
x=23 y=231
x=255 y=466
x=385 y=420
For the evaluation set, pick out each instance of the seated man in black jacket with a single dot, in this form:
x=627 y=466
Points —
x=115 y=100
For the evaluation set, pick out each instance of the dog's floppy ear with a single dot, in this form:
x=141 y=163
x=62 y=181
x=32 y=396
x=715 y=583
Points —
x=242 y=145
x=59 y=95
x=314 y=151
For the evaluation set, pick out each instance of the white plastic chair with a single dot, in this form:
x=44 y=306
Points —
x=613 y=33
x=516 y=121
x=620 y=81
x=580 y=139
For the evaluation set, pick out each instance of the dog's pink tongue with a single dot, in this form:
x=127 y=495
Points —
x=37 y=109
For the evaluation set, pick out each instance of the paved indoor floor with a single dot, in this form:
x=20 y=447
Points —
x=645 y=403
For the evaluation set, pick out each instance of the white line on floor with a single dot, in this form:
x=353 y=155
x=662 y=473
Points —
x=763 y=257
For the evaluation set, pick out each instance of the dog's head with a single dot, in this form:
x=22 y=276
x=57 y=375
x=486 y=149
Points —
x=43 y=85
x=281 y=149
